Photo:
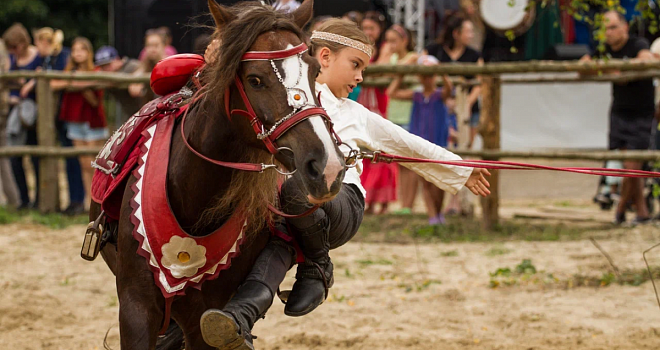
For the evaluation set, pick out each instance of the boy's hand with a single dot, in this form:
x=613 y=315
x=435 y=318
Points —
x=477 y=182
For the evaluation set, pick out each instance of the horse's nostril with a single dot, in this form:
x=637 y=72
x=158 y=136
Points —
x=313 y=169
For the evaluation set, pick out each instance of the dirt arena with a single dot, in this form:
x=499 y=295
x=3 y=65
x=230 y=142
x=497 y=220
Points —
x=386 y=296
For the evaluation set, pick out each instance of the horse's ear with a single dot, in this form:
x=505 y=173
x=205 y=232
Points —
x=220 y=14
x=304 y=13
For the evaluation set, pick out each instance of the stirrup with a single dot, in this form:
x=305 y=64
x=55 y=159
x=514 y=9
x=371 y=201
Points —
x=92 y=242
x=283 y=295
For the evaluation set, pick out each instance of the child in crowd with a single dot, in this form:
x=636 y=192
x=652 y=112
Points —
x=430 y=121
x=155 y=43
x=82 y=111
x=55 y=58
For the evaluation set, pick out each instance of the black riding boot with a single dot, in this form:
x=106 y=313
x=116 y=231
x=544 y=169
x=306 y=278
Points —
x=314 y=276
x=231 y=327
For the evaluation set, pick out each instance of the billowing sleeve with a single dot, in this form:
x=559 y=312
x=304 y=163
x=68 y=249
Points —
x=379 y=134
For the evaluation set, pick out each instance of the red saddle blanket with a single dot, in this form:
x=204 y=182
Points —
x=176 y=259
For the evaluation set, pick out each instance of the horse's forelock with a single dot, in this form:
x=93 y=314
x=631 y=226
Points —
x=253 y=19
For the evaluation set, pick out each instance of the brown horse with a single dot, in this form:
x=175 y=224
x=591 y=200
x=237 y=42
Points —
x=201 y=194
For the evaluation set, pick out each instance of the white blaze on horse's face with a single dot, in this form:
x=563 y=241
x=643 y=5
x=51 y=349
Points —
x=292 y=67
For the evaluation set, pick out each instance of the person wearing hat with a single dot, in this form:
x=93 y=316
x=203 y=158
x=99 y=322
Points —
x=107 y=59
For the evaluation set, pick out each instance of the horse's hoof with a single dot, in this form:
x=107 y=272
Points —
x=220 y=330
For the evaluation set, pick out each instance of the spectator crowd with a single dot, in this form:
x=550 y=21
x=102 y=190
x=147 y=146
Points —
x=80 y=112
x=423 y=109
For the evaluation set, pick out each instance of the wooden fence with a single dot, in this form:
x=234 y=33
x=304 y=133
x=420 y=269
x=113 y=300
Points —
x=491 y=82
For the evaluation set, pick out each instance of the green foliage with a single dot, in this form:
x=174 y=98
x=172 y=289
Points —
x=502 y=271
x=607 y=279
x=525 y=273
x=88 y=18
x=526 y=267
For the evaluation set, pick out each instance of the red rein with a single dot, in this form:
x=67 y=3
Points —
x=499 y=165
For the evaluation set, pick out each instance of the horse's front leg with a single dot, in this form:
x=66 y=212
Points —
x=141 y=304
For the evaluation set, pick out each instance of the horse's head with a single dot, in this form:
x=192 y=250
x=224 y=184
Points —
x=263 y=55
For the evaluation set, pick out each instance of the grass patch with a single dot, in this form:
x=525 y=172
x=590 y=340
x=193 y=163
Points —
x=405 y=229
x=526 y=273
x=628 y=278
x=53 y=221
x=495 y=251
x=564 y=204
x=368 y=262
x=449 y=253
x=418 y=286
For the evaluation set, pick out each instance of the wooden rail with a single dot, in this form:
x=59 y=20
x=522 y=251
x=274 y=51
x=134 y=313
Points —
x=48 y=198
x=570 y=78
x=472 y=69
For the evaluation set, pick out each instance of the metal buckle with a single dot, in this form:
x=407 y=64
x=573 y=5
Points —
x=350 y=161
x=273 y=166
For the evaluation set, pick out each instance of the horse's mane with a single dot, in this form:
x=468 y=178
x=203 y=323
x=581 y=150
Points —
x=250 y=190
x=252 y=20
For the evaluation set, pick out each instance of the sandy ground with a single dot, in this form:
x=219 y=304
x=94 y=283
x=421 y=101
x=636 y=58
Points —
x=386 y=296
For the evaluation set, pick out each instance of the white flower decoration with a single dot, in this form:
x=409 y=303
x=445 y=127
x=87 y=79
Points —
x=183 y=257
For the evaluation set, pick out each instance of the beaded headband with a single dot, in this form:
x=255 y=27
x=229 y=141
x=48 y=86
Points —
x=340 y=39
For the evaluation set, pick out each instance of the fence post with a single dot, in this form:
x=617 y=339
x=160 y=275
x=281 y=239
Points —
x=46 y=136
x=462 y=116
x=490 y=132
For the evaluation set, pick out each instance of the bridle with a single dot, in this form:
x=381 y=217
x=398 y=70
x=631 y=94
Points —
x=296 y=97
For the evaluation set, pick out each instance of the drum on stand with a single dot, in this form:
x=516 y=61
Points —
x=504 y=15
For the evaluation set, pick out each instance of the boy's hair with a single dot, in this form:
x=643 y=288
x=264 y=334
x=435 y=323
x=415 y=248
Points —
x=341 y=27
x=86 y=66
x=16 y=35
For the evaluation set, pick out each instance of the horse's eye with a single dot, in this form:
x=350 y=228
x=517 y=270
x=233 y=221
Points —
x=255 y=82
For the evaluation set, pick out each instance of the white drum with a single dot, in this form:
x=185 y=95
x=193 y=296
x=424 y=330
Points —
x=501 y=16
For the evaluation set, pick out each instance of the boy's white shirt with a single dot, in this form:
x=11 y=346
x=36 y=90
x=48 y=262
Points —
x=360 y=128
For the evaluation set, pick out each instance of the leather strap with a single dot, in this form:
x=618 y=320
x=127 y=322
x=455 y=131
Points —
x=273 y=55
x=297 y=118
x=500 y=165
x=237 y=166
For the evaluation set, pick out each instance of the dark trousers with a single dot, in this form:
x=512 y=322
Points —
x=73 y=170
x=343 y=214
x=19 y=171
